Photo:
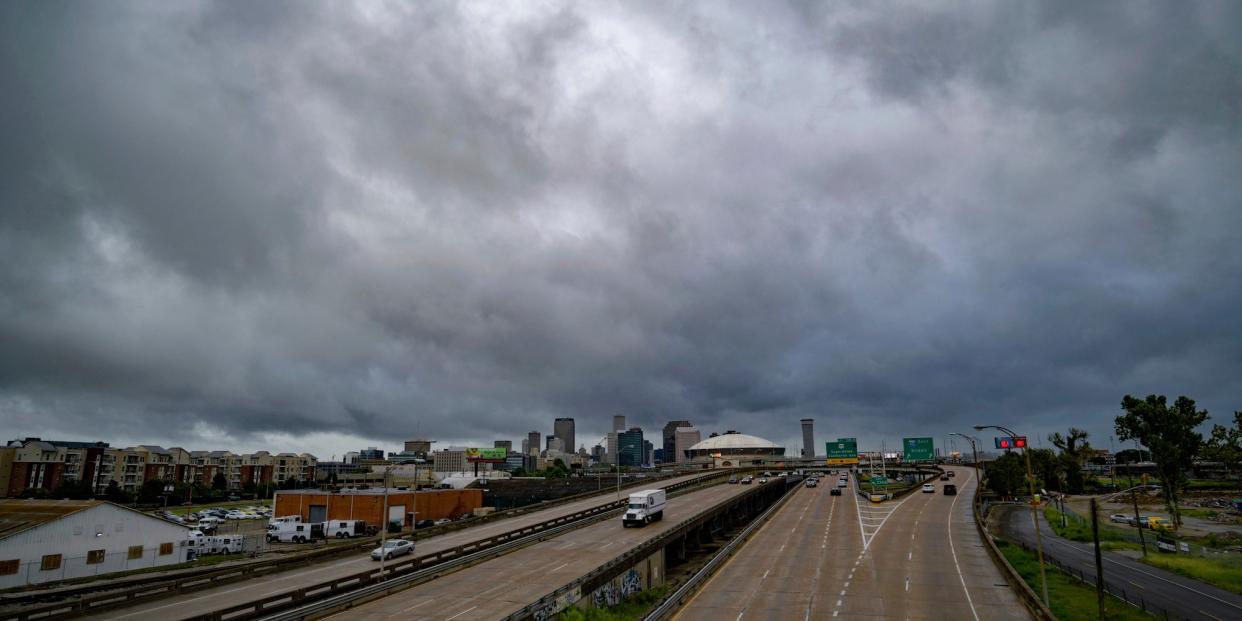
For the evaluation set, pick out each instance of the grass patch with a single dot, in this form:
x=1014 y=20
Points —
x=1224 y=571
x=634 y=608
x=1071 y=600
x=1080 y=530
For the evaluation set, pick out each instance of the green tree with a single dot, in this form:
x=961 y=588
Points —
x=75 y=489
x=1169 y=433
x=1075 y=450
x=1006 y=476
x=1225 y=444
x=219 y=483
x=114 y=493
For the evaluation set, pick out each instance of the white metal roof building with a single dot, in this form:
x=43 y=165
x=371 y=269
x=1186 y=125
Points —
x=48 y=540
x=732 y=449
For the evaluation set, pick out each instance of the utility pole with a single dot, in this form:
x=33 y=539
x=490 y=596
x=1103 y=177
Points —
x=1138 y=522
x=1099 y=560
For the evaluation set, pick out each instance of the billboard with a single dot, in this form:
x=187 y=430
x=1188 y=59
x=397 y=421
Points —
x=487 y=455
x=842 y=452
x=918 y=449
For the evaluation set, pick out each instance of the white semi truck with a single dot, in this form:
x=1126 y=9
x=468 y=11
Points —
x=644 y=507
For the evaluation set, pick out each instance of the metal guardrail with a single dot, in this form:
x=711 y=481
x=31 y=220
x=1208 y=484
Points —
x=624 y=560
x=366 y=586
x=679 y=597
x=132 y=595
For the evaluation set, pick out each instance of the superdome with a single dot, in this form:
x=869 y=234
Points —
x=732 y=443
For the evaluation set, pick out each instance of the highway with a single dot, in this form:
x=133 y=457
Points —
x=503 y=585
x=825 y=556
x=1182 y=597
x=206 y=600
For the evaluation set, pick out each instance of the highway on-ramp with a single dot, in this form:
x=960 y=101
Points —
x=823 y=556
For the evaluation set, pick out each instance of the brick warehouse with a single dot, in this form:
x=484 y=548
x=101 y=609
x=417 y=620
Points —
x=368 y=504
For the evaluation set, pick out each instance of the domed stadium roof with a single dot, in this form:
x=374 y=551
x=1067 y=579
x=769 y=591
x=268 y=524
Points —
x=732 y=442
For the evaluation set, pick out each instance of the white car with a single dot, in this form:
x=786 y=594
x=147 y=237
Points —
x=1120 y=518
x=391 y=548
x=928 y=488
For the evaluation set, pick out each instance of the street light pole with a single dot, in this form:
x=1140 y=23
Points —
x=1030 y=477
x=384 y=524
x=974 y=453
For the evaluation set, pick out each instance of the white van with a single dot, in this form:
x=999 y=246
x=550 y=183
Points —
x=644 y=507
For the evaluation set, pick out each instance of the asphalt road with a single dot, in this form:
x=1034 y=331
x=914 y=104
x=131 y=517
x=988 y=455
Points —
x=824 y=556
x=1182 y=597
x=503 y=585
x=206 y=600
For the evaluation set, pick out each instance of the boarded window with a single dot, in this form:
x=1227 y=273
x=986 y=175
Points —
x=166 y=549
x=50 y=562
x=8 y=568
x=95 y=557
x=135 y=552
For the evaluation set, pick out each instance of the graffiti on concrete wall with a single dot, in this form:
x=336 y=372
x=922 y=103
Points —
x=616 y=590
x=631 y=583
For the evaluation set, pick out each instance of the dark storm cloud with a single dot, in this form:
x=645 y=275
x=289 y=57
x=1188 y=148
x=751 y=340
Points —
x=469 y=219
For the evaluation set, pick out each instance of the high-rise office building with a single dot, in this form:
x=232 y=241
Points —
x=532 y=443
x=618 y=423
x=564 y=429
x=669 y=439
x=648 y=453
x=555 y=444
x=630 y=447
x=808 y=437
x=598 y=454
x=610 y=445
x=683 y=438
x=418 y=445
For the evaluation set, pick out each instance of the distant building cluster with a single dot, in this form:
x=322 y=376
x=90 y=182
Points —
x=36 y=464
x=33 y=464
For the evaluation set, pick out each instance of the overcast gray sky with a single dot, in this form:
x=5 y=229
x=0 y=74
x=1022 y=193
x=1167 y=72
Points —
x=314 y=226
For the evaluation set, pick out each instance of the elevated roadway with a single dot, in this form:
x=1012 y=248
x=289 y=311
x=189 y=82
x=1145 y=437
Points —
x=824 y=556
x=207 y=600
x=502 y=586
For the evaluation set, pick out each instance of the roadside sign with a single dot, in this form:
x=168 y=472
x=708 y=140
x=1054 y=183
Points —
x=918 y=449
x=843 y=452
x=486 y=455
x=1165 y=544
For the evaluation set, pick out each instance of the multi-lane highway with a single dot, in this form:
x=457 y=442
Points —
x=1181 y=597
x=206 y=600
x=504 y=585
x=825 y=556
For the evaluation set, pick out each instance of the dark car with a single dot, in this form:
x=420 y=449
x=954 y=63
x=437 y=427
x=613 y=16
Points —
x=836 y=491
x=424 y=524
x=944 y=477
x=950 y=489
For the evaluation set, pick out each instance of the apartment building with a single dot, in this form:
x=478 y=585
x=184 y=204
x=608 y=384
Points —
x=33 y=463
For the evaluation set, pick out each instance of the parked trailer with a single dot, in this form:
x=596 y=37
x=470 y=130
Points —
x=295 y=532
x=345 y=529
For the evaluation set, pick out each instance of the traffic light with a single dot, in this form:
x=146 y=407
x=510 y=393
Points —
x=1011 y=442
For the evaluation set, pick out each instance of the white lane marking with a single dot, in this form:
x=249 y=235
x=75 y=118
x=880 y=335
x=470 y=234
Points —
x=907 y=583
x=559 y=566
x=953 y=549
x=461 y=613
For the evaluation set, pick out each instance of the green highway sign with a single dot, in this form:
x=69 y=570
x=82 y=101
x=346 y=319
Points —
x=842 y=452
x=918 y=449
